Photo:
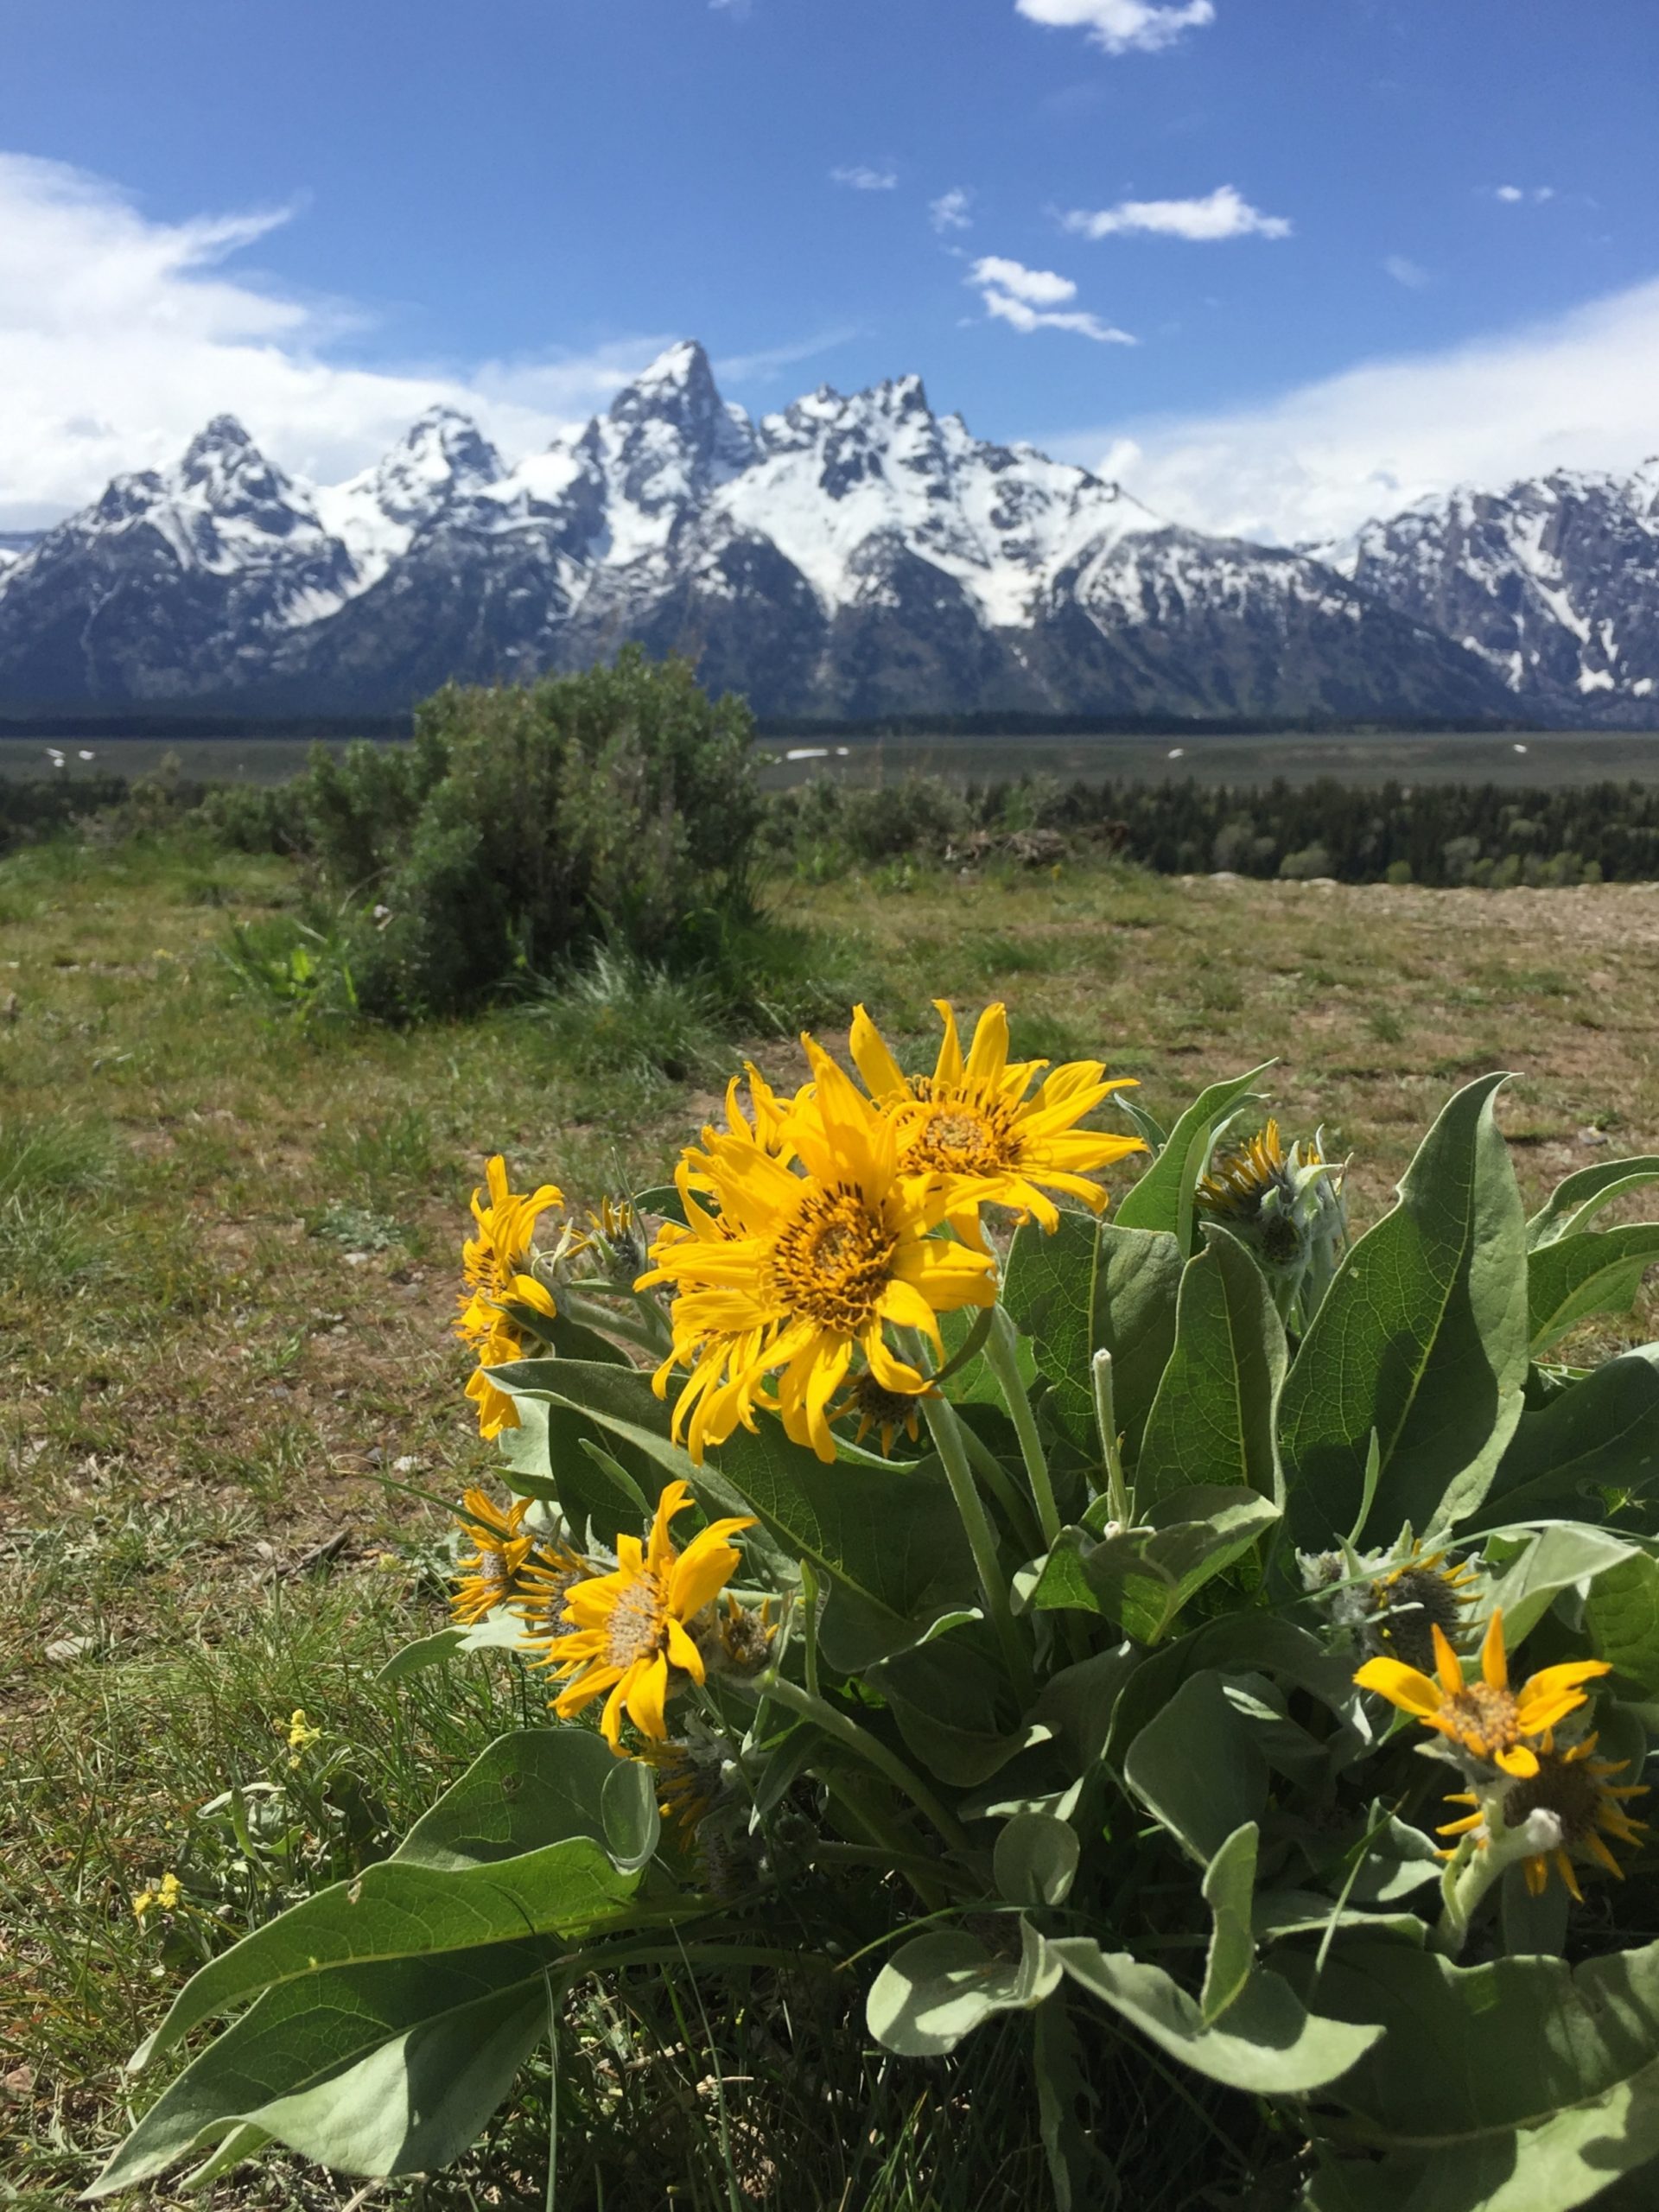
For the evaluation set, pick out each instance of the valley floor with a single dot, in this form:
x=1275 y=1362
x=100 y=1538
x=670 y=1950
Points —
x=228 y=1265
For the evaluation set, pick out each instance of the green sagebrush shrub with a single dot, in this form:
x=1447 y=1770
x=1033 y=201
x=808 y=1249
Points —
x=525 y=825
x=1053 y=1716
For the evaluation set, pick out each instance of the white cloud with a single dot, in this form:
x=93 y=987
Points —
x=1575 y=393
x=859 y=177
x=1036 y=299
x=950 y=210
x=758 y=368
x=1223 y=214
x=1411 y=274
x=1513 y=194
x=1121 y=25
x=120 y=336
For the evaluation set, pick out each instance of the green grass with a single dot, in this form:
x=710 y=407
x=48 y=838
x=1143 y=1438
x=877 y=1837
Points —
x=227 y=1277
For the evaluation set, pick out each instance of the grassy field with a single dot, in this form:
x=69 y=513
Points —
x=227 y=1272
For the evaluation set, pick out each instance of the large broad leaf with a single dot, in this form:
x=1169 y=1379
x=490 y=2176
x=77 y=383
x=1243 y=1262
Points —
x=1622 y=1615
x=938 y=1989
x=1198 y=1766
x=1564 y=1556
x=1594 y=1271
x=1421 y=1341
x=380 y=2068
x=1212 y=1419
x=1095 y=1286
x=1568 y=2160
x=1598 y=1434
x=1144 y=1577
x=391 y=2013
x=1235 y=1644
x=410 y=1906
x=892 y=1537
x=1575 y=1201
x=1483 y=2050
x=1265 y=2041
x=1165 y=1197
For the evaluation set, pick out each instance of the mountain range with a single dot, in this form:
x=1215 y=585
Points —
x=847 y=557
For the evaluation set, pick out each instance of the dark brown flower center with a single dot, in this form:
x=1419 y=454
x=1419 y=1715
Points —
x=833 y=1261
x=1564 y=1787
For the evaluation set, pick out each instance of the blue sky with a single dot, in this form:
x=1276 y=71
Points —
x=332 y=212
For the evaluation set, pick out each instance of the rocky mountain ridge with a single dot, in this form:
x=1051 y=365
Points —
x=851 y=555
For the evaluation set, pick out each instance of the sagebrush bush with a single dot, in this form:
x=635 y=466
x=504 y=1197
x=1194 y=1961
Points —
x=524 y=827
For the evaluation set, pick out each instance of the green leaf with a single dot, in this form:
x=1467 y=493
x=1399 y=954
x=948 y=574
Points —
x=1143 y=1577
x=1266 y=2041
x=891 y=1536
x=1237 y=1644
x=1485 y=2050
x=499 y=1630
x=938 y=1989
x=1035 y=1861
x=1079 y=2172
x=1422 y=1337
x=1165 y=1197
x=1229 y=1889
x=464 y=1880
x=383 y=2069
x=1559 y=1557
x=1198 y=1767
x=1212 y=1421
x=948 y=1694
x=1596 y=1271
x=1095 y=1286
x=1601 y=1433
x=533 y=1787
x=1574 y=1203
x=1623 y=1617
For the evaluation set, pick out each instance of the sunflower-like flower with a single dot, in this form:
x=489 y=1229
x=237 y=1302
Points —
x=494 y=1573
x=1286 y=1206
x=631 y=1641
x=889 y=1413
x=821 y=1241
x=1498 y=1726
x=1391 y=1601
x=1571 y=1790
x=972 y=1123
x=494 y=1265
x=545 y=1583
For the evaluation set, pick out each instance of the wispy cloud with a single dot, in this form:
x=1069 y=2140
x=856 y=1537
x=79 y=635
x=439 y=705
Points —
x=858 y=176
x=120 y=336
x=1123 y=26
x=1223 y=214
x=1513 y=194
x=758 y=368
x=1037 y=299
x=1572 y=392
x=1411 y=274
x=950 y=210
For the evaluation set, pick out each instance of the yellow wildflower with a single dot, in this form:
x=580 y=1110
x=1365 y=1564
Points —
x=493 y=1571
x=301 y=1733
x=631 y=1641
x=971 y=1122
x=797 y=1271
x=1573 y=1788
x=886 y=1412
x=1488 y=1719
x=494 y=1264
x=1417 y=1595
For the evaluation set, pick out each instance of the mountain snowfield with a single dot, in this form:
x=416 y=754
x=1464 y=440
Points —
x=852 y=555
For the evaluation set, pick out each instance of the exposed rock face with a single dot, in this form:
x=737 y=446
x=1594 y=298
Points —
x=849 y=555
x=1553 y=583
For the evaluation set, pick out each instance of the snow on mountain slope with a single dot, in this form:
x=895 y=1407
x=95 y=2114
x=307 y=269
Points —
x=852 y=553
x=1552 y=582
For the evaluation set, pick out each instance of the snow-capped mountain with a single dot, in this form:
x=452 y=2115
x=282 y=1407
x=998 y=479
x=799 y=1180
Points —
x=849 y=555
x=1553 y=583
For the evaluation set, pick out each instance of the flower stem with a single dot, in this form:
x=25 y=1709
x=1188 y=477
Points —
x=1117 y=1489
x=1003 y=1489
x=946 y=1432
x=1003 y=1358
x=810 y=1623
x=869 y=1748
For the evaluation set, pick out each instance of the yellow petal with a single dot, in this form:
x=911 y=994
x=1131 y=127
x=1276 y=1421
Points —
x=1445 y=1662
x=1494 y=1663
x=1402 y=1686
x=882 y=1074
x=648 y=1695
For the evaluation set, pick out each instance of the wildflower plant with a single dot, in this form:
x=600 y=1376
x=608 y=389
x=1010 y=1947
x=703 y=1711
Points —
x=1224 y=1642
